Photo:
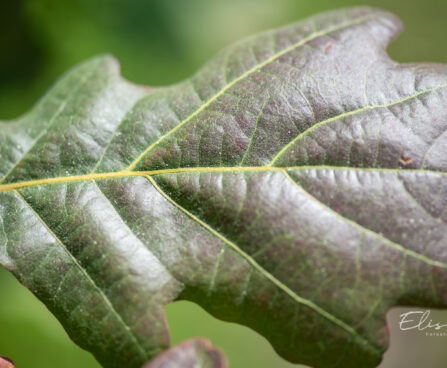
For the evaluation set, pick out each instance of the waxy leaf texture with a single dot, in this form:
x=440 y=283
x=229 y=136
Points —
x=297 y=184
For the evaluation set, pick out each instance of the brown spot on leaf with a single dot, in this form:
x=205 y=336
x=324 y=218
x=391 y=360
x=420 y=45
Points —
x=405 y=161
x=327 y=48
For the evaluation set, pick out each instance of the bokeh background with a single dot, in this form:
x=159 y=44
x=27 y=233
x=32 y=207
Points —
x=159 y=42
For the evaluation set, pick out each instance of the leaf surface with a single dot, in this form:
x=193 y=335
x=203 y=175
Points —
x=296 y=184
x=196 y=353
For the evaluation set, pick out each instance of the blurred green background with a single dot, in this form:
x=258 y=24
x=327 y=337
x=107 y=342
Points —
x=160 y=42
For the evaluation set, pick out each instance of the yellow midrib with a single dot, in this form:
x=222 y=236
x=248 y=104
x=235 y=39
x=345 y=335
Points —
x=127 y=173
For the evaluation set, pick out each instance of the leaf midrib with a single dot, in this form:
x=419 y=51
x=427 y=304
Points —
x=283 y=170
x=232 y=169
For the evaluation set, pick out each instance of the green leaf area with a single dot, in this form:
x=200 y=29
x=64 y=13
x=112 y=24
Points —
x=296 y=184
